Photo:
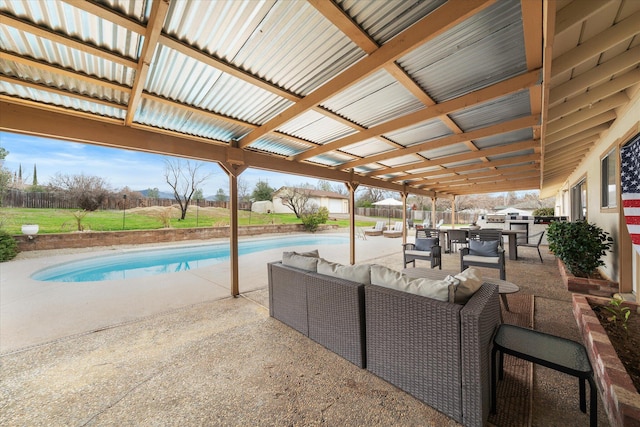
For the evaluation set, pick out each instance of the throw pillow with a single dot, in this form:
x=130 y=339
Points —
x=314 y=253
x=388 y=278
x=464 y=285
x=354 y=273
x=292 y=259
x=426 y=244
x=483 y=248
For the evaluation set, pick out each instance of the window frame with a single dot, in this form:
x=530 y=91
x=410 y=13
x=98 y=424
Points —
x=579 y=204
x=609 y=201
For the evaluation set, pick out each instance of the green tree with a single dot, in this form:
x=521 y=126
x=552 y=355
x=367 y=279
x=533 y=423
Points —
x=35 y=176
x=262 y=191
x=153 y=193
x=221 y=196
x=3 y=153
x=198 y=195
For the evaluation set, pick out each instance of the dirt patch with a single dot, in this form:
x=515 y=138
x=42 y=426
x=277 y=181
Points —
x=625 y=341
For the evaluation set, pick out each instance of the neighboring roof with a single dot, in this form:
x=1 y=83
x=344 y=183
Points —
x=314 y=193
x=430 y=97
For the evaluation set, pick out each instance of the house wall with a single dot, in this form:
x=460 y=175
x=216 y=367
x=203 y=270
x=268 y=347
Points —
x=334 y=205
x=626 y=126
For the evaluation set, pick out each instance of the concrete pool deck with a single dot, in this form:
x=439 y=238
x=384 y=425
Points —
x=226 y=362
x=34 y=312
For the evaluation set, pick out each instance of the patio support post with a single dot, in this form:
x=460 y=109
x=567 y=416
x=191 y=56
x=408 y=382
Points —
x=403 y=194
x=233 y=171
x=352 y=187
x=453 y=212
x=433 y=211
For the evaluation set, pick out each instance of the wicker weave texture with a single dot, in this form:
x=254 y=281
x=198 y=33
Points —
x=413 y=342
x=288 y=296
x=479 y=319
x=336 y=316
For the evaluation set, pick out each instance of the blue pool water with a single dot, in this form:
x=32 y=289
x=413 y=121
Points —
x=141 y=263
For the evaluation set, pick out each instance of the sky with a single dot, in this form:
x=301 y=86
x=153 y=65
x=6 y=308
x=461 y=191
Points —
x=119 y=168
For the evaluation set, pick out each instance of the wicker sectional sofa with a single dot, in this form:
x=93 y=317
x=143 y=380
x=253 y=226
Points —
x=437 y=351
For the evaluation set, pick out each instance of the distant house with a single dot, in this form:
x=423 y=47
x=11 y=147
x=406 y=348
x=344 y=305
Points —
x=336 y=203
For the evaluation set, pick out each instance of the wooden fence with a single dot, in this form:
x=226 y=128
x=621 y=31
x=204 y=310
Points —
x=41 y=200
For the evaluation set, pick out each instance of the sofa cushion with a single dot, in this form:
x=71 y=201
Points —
x=388 y=278
x=483 y=248
x=292 y=259
x=464 y=285
x=418 y=253
x=355 y=273
x=426 y=244
x=314 y=253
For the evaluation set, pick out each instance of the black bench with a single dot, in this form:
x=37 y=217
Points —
x=547 y=350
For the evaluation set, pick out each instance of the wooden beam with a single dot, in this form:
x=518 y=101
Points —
x=604 y=106
x=596 y=94
x=576 y=13
x=91 y=130
x=581 y=133
x=492 y=151
x=596 y=75
x=65 y=40
x=159 y=9
x=571 y=147
x=61 y=92
x=440 y=20
x=509 y=126
x=612 y=36
x=108 y=14
x=7 y=56
x=498 y=90
x=477 y=166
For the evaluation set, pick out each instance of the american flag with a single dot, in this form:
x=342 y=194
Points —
x=630 y=179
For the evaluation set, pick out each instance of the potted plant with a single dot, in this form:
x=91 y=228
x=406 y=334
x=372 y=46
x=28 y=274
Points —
x=579 y=247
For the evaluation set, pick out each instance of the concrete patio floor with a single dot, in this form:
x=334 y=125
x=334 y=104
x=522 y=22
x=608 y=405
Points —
x=182 y=352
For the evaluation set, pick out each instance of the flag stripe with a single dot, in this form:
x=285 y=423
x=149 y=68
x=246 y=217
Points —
x=630 y=183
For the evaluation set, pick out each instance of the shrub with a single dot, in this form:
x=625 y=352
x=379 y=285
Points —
x=579 y=245
x=544 y=212
x=8 y=246
x=312 y=218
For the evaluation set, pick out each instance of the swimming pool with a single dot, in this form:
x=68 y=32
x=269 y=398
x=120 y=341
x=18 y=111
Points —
x=142 y=263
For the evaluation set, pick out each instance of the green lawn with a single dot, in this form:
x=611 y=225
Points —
x=61 y=220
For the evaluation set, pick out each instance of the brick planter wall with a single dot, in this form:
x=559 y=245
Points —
x=110 y=238
x=597 y=287
x=620 y=397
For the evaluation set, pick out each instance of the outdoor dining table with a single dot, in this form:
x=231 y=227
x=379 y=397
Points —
x=504 y=287
x=513 y=242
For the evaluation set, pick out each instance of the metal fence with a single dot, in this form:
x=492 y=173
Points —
x=418 y=216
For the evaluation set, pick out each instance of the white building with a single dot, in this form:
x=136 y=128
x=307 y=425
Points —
x=336 y=203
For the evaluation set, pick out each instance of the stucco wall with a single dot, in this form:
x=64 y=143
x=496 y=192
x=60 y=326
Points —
x=607 y=219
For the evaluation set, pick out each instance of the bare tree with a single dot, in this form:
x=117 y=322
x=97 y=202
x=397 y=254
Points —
x=184 y=177
x=87 y=192
x=296 y=199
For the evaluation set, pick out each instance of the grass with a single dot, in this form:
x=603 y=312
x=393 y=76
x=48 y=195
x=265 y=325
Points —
x=63 y=220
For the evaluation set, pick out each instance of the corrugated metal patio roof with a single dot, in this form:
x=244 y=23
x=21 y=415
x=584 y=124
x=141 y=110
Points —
x=416 y=96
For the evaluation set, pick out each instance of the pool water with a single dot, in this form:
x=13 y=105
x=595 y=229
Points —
x=142 y=263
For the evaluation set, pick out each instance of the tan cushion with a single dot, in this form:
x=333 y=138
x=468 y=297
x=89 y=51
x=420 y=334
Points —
x=355 y=273
x=484 y=259
x=388 y=278
x=464 y=285
x=420 y=253
x=292 y=259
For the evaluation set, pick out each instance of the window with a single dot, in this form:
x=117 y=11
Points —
x=609 y=191
x=579 y=201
